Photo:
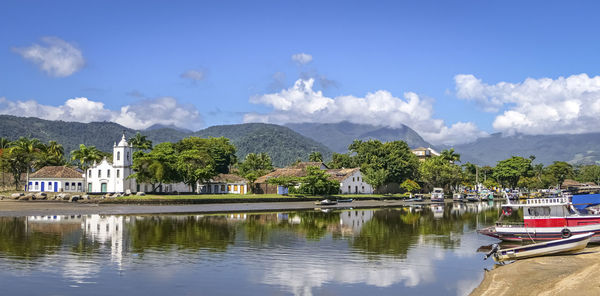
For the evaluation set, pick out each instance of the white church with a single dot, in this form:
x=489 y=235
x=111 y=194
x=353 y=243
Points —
x=112 y=177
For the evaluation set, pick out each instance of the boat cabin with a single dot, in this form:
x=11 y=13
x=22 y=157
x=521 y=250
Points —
x=552 y=212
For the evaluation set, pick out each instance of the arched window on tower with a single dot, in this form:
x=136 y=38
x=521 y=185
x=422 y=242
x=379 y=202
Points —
x=118 y=155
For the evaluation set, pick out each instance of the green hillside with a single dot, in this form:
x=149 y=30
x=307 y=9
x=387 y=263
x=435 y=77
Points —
x=576 y=149
x=284 y=145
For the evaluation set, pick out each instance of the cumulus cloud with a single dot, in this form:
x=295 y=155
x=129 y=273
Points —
x=538 y=106
x=140 y=115
x=302 y=58
x=301 y=103
x=57 y=57
x=193 y=75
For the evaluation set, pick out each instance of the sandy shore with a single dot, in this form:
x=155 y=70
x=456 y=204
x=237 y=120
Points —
x=552 y=275
x=38 y=208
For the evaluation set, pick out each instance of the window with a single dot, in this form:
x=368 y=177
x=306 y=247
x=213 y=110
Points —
x=49 y=185
x=349 y=190
x=222 y=187
x=118 y=155
x=216 y=188
x=118 y=175
x=89 y=173
x=127 y=155
x=539 y=211
x=79 y=187
x=66 y=185
x=36 y=186
x=235 y=188
x=108 y=173
x=228 y=188
x=99 y=173
x=363 y=189
x=358 y=179
x=352 y=179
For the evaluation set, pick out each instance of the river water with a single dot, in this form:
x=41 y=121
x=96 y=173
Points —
x=419 y=250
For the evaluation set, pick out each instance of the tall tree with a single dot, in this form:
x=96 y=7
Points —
x=315 y=156
x=51 y=155
x=86 y=155
x=199 y=160
x=339 y=161
x=140 y=142
x=318 y=182
x=589 y=173
x=27 y=151
x=450 y=155
x=437 y=171
x=4 y=145
x=254 y=166
x=509 y=171
x=560 y=170
x=157 y=166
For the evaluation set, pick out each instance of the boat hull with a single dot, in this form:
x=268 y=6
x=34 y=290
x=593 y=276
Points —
x=520 y=233
x=561 y=246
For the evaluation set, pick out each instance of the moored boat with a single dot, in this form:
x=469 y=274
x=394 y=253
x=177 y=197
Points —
x=457 y=196
x=472 y=197
x=561 y=246
x=326 y=202
x=345 y=200
x=437 y=195
x=543 y=219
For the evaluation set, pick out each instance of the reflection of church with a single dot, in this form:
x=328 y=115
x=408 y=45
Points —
x=102 y=229
x=354 y=220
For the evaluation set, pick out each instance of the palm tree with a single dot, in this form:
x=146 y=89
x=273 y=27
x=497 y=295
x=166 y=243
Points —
x=86 y=155
x=51 y=154
x=450 y=155
x=4 y=145
x=140 y=142
x=29 y=152
x=315 y=156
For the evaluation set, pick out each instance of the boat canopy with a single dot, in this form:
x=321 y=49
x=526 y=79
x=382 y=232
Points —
x=583 y=201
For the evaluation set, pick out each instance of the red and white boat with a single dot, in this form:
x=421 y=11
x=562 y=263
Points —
x=543 y=219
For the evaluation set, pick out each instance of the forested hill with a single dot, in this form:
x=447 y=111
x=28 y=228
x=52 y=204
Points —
x=575 y=149
x=283 y=145
x=338 y=136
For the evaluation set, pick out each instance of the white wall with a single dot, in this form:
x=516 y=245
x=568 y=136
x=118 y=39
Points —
x=36 y=185
x=355 y=181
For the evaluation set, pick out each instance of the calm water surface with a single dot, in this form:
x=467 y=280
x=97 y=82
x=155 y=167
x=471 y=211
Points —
x=428 y=250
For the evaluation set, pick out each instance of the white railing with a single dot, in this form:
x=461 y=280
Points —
x=548 y=201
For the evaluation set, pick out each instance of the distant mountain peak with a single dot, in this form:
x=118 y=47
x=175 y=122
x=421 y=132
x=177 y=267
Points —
x=170 y=126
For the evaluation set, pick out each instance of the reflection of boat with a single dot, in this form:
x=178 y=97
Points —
x=565 y=245
x=438 y=211
x=326 y=202
x=345 y=200
x=472 y=197
x=437 y=195
x=543 y=219
x=457 y=196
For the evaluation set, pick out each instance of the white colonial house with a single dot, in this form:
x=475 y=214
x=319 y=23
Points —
x=113 y=177
x=351 y=181
x=56 y=179
x=225 y=183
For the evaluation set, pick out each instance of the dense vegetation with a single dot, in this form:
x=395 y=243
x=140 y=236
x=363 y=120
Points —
x=283 y=145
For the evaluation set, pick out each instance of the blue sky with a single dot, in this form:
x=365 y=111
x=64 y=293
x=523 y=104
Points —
x=527 y=66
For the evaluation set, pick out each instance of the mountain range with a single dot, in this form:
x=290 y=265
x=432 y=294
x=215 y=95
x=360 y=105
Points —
x=286 y=144
x=281 y=143
x=338 y=136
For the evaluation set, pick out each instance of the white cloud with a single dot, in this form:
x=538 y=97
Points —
x=302 y=58
x=538 y=106
x=58 y=58
x=140 y=115
x=193 y=75
x=301 y=103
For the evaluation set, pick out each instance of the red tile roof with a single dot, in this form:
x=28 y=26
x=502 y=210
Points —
x=57 y=172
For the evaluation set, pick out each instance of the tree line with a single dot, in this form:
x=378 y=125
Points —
x=195 y=160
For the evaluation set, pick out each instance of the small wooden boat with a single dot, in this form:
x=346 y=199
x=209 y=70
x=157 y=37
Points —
x=345 y=200
x=417 y=197
x=472 y=197
x=560 y=246
x=326 y=202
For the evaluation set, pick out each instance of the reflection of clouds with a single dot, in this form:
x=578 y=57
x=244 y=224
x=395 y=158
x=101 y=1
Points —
x=303 y=272
x=80 y=271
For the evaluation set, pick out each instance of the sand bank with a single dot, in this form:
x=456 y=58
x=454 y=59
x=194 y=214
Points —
x=552 y=275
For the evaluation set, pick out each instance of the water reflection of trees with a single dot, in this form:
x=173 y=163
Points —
x=186 y=232
x=16 y=241
x=395 y=231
